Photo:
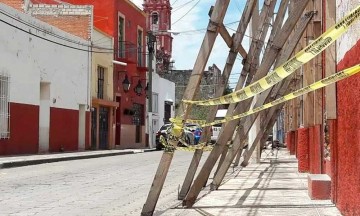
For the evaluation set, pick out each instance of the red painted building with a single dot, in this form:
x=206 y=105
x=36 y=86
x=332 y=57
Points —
x=127 y=24
x=328 y=142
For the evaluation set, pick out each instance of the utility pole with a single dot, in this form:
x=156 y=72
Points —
x=151 y=48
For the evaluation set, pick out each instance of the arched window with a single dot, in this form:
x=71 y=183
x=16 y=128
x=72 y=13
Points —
x=155 y=18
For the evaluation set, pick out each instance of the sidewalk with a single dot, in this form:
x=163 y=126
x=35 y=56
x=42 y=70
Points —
x=26 y=160
x=272 y=188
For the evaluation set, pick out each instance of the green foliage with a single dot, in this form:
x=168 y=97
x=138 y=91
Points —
x=228 y=90
x=199 y=112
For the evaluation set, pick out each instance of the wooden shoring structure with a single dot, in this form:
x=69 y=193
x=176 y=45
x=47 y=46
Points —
x=229 y=127
x=276 y=26
x=277 y=91
x=215 y=21
x=234 y=43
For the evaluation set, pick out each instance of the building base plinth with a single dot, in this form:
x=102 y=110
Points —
x=319 y=186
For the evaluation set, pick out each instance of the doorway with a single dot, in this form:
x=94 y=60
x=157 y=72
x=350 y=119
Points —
x=167 y=112
x=118 y=122
x=93 y=127
x=103 y=127
x=155 y=127
x=44 y=117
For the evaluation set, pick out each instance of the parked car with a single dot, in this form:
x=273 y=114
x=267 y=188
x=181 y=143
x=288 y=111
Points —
x=162 y=131
x=192 y=134
x=195 y=131
x=215 y=130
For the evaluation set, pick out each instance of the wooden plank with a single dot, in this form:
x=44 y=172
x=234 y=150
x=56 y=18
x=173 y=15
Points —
x=261 y=137
x=216 y=19
x=222 y=140
x=190 y=173
x=318 y=94
x=240 y=33
x=264 y=68
x=248 y=121
x=308 y=78
x=330 y=62
x=229 y=41
x=249 y=7
x=158 y=182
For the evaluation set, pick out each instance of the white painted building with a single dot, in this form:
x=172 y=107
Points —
x=49 y=85
x=163 y=105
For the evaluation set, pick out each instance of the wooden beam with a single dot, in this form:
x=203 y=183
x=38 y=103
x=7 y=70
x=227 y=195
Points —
x=204 y=174
x=261 y=137
x=229 y=41
x=330 y=62
x=318 y=94
x=222 y=140
x=216 y=19
x=247 y=122
x=238 y=37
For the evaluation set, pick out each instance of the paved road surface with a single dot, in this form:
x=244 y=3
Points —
x=103 y=186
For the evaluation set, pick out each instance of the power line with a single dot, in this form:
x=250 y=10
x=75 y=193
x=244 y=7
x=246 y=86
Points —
x=181 y=6
x=110 y=50
x=186 y=12
x=51 y=41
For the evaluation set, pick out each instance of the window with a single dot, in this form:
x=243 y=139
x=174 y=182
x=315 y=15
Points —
x=155 y=103
x=155 y=18
x=140 y=44
x=4 y=106
x=101 y=79
x=121 y=37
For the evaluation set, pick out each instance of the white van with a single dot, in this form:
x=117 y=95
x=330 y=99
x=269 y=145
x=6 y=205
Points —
x=221 y=113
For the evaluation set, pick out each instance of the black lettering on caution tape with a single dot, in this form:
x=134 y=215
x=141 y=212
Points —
x=331 y=79
x=292 y=65
x=272 y=78
x=302 y=91
x=348 y=20
x=256 y=88
x=241 y=95
x=319 y=45
x=277 y=101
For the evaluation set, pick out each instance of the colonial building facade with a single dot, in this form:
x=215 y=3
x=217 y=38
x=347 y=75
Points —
x=45 y=101
x=126 y=23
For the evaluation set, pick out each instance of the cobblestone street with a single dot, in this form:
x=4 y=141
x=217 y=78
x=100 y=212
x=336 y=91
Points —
x=103 y=186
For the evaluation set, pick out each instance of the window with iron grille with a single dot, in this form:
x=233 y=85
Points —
x=101 y=79
x=140 y=44
x=4 y=107
x=121 y=51
x=138 y=117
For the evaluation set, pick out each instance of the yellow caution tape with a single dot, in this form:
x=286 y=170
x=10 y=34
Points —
x=305 y=55
x=317 y=85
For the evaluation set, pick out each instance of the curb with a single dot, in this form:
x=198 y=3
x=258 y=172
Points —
x=13 y=164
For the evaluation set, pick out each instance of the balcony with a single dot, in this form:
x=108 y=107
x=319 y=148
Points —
x=126 y=51
x=141 y=60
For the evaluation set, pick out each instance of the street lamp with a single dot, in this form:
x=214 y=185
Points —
x=126 y=83
x=138 y=88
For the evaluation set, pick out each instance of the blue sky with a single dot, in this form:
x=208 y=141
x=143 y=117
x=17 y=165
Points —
x=186 y=44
